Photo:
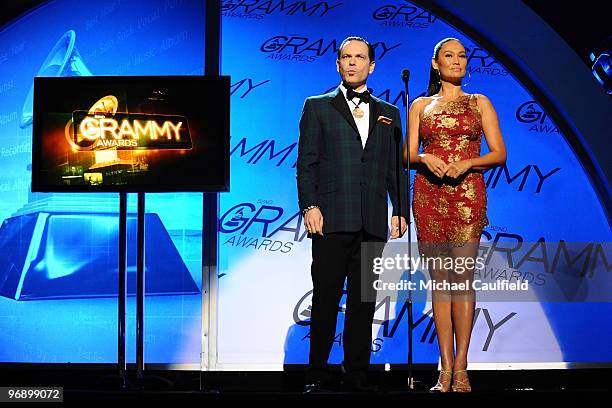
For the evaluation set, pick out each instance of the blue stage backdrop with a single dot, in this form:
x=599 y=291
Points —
x=278 y=53
x=58 y=265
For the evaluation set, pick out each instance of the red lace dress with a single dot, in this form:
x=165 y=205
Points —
x=450 y=210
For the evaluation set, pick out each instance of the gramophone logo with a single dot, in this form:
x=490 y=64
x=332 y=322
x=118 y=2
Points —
x=530 y=112
x=103 y=128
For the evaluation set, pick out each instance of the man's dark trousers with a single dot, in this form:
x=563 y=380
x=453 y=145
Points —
x=336 y=257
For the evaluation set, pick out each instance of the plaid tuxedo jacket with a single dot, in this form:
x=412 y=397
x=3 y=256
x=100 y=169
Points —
x=348 y=182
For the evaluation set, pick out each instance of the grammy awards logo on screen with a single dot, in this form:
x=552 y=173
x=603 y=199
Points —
x=110 y=133
x=403 y=15
x=531 y=113
x=480 y=61
x=304 y=49
x=103 y=128
x=258 y=9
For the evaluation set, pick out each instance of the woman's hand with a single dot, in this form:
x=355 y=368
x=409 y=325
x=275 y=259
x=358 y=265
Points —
x=435 y=164
x=456 y=169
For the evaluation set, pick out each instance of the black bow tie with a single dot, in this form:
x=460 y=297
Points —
x=363 y=96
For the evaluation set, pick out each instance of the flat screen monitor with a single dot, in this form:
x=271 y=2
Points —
x=131 y=134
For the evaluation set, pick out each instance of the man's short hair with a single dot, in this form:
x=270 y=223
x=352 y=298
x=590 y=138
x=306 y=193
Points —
x=355 y=38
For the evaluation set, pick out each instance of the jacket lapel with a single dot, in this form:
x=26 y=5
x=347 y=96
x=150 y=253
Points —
x=374 y=112
x=339 y=102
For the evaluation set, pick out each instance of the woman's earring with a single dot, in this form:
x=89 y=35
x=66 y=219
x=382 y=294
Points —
x=439 y=77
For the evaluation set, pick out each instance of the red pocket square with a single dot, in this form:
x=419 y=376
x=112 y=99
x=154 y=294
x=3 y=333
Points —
x=385 y=120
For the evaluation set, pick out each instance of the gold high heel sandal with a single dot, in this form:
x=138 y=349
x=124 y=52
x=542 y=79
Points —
x=461 y=385
x=439 y=387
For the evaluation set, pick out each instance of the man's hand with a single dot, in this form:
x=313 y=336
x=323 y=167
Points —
x=395 y=227
x=313 y=221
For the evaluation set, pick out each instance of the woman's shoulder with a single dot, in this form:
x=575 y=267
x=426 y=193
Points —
x=479 y=98
x=482 y=102
x=422 y=101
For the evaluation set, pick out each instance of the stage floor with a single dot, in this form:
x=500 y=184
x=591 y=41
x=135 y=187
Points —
x=92 y=384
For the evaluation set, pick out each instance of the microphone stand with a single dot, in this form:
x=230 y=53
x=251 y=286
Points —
x=411 y=380
x=397 y=135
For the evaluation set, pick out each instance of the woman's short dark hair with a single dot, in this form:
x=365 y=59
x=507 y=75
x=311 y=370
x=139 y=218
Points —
x=363 y=40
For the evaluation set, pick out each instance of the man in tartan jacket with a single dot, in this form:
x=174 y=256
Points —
x=346 y=167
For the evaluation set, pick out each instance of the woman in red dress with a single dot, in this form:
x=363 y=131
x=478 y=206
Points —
x=449 y=195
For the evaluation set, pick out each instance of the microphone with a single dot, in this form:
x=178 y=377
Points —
x=405 y=75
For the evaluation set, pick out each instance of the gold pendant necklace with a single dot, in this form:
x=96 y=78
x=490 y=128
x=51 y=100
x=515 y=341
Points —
x=358 y=112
